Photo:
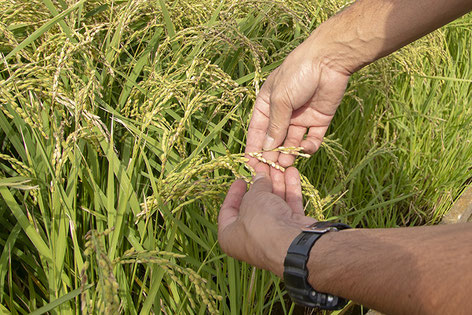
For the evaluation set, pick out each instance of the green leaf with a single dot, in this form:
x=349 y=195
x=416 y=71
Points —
x=7 y=254
x=29 y=229
x=69 y=296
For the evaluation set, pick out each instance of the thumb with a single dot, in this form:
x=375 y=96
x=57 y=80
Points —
x=230 y=209
x=279 y=120
x=261 y=183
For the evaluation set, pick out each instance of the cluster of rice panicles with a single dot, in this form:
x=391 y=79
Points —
x=112 y=74
x=125 y=109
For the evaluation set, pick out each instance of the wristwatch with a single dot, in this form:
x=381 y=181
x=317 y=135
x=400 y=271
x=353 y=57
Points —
x=296 y=272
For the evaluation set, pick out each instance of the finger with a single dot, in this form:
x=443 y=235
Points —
x=230 y=208
x=294 y=85
x=293 y=190
x=278 y=182
x=262 y=183
x=262 y=168
x=256 y=132
x=294 y=137
x=313 y=140
x=279 y=119
x=259 y=121
x=277 y=176
x=271 y=156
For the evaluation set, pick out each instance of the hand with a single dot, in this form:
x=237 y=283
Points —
x=258 y=226
x=301 y=95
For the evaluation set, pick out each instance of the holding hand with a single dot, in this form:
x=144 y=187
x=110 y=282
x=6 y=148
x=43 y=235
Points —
x=258 y=226
x=300 y=96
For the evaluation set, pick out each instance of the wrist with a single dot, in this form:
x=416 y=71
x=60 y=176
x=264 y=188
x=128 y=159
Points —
x=345 y=46
x=279 y=244
x=325 y=257
x=336 y=51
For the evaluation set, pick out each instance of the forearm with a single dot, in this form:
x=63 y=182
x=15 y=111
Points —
x=371 y=29
x=420 y=270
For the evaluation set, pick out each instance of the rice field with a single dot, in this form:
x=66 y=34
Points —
x=123 y=123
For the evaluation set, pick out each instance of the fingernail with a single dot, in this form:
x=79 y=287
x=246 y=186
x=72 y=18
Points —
x=259 y=176
x=268 y=142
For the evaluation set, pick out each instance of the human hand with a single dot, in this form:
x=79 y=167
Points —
x=299 y=96
x=258 y=226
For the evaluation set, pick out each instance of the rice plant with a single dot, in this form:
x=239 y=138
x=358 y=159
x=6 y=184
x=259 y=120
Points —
x=123 y=123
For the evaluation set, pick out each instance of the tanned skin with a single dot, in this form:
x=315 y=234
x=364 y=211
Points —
x=420 y=270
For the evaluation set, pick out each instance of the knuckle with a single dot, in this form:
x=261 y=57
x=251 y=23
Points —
x=280 y=101
x=310 y=147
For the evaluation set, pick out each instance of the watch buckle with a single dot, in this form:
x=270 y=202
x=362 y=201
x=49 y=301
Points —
x=317 y=229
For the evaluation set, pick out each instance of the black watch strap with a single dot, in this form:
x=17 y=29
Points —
x=296 y=272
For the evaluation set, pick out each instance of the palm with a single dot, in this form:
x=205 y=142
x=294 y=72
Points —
x=251 y=224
